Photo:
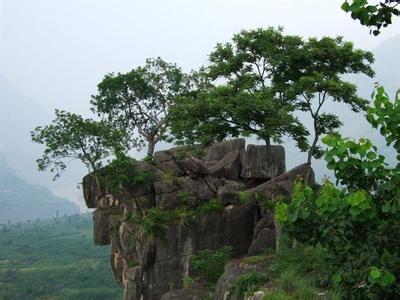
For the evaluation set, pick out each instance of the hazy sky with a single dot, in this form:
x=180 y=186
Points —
x=55 y=52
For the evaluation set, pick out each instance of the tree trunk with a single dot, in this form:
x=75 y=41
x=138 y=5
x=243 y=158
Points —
x=269 y=152
x=310 y=152
x=151 y=146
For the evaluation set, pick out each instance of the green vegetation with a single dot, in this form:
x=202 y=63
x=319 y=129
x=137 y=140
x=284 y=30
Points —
x=70 y=137
x=155 y=222
x=209 y=265
x=375 y=16
x=55 y=259
x=255 y=85
x=244 y=197
x=252 y=102
x=247 y=284
x=121 y=172
x=214 y=205
x=187 y=282
x=138 y=101
x=190 y=150
x=358 y=225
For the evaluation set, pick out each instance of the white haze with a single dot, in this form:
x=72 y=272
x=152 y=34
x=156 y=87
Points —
x=54 y=52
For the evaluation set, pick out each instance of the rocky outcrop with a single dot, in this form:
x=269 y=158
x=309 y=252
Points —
x=196 y=199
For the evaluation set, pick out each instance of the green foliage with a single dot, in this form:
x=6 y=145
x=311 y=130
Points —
x=322 y=81
x=375 y=16
x=133 y=263
x=122 y=173
x=139 y=101
x=244 y=197
x=385 y=116
x=212 y=206
x=71 y=137
x=184 y=197
x=247 y=284
x=357 y=225
x=55 y=260
x=209 y=265
x=190 y=150
x=252 y=102
x=154 y=222
x=187 y=282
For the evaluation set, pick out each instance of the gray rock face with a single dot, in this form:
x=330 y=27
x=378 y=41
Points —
x=254 y=162
x=217 y=151
x=148 y=259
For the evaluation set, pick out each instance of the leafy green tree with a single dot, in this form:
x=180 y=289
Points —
x=374 y=16
x=139 y=101
x=71 y=137
x=223 y=112
x=253 y=98
x=324 y=62
x=358 y=225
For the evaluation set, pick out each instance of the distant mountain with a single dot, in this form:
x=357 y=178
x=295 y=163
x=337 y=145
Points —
x=20 y=201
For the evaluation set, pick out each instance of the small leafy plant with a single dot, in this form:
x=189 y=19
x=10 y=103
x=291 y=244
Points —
x=248 y=283
x=209 y=265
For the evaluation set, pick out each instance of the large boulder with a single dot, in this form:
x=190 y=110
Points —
x=228 y=167
x=264 y=236
x=255 y=162
x=229 y=192
x=150 y=257
x=105 y=223
x=218 y=151
x=283 y=185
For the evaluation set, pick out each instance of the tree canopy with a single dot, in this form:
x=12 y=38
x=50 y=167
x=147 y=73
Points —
x=138 y=101
x=71 y=137
x=324 y=61
x=252 y=99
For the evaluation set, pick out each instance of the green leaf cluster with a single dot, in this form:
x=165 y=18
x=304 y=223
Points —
x=209 y=265
x=70 y=137
x=358 y=225
x=373 y=16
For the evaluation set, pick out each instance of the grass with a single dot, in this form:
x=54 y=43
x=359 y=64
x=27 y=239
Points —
x=248 y=283
x=55 y=259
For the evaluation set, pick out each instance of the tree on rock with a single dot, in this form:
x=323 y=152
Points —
x=253 y=98
x=71 y=137
x=139 y=101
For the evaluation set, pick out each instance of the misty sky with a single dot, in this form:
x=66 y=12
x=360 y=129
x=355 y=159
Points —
x=54 y=52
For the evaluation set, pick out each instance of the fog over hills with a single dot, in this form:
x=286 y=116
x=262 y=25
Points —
x=19 y=114
x=20 y=201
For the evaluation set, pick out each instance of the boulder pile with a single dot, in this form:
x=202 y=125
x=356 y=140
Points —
x=218 y=196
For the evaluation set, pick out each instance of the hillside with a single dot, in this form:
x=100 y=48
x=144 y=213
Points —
x=20 y=201
x=54 y=259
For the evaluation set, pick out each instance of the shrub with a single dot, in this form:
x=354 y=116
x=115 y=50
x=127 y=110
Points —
x=184 y=196
x=214 y=205
x=155 y=222
x=121 y=172
x=358 y=225
x=244 y=197
x=248 y=283
x=187 y=282
x=209 y=265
